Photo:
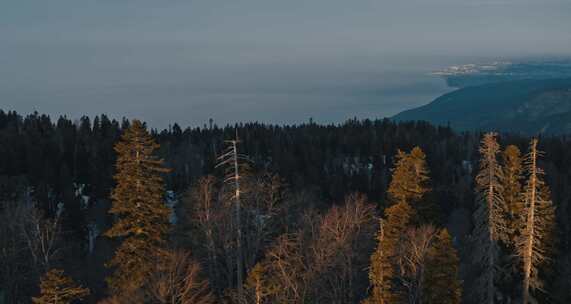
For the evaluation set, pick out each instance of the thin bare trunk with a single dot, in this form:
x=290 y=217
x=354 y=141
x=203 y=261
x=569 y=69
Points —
x=530 y=221
x=231 y=159
x=238 y=219
x=491 y=260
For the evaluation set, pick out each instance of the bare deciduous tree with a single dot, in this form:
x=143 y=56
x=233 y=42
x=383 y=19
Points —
x=42 y=235
x=321 y=262
x=411 y=260
x=176 y=280
x=286 y=265
x=210 y=207
x=204 y=215
x=334 y=262
x=264 y=201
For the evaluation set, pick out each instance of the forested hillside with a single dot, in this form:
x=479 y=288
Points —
x=370 y=211
x=528 y=106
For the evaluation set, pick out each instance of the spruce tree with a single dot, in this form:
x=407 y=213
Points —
x=410 y=184
x=489 y=218
x=512 y=194
x=382 y=272
x=399 y=184
x=260 y=285
x=56 y=288
x=536 y=231
x=141 y=214
x=442 y=285
x=410 y=177
x=420 y=172
x=512 y=169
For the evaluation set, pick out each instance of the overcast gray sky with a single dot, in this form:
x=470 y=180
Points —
x=267 y=60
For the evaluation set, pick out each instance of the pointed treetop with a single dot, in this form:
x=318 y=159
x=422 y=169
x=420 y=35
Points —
x=56 y=288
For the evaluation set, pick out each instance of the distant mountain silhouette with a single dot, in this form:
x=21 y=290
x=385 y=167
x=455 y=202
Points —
x=523 y=106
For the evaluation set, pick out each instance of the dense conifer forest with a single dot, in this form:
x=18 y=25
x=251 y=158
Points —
x=368 y=211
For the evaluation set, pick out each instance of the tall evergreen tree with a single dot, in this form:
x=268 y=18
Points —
x=512 y=190
x=397 y=191
x=442 y=285
x=536 y=233
x=141 y=214
x=489 y=218
x=382 y=272
x=260 y=285
x=56 y=288
x=410 y=184
x=410 y=177
x=512 y=168
x=420 y=172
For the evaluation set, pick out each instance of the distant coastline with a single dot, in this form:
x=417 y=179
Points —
x=461 y=76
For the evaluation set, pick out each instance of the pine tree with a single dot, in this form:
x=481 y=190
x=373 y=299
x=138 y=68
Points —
x=489 y=218
x=382 y=273
x=141 y=215
x=536 y=234
x=56 y=288
x=442 y=285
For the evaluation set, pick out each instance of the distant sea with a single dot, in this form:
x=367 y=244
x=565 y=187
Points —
x=278 y=93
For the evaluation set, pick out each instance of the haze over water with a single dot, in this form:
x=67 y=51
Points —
x=187 y=61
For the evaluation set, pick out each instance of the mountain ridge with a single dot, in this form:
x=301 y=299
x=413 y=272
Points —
x=527 y=106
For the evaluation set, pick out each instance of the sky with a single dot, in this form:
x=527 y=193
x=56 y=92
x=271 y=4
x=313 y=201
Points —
x=187 y=61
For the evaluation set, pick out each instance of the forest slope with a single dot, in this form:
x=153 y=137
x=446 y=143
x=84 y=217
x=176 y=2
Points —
x=523 y=106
